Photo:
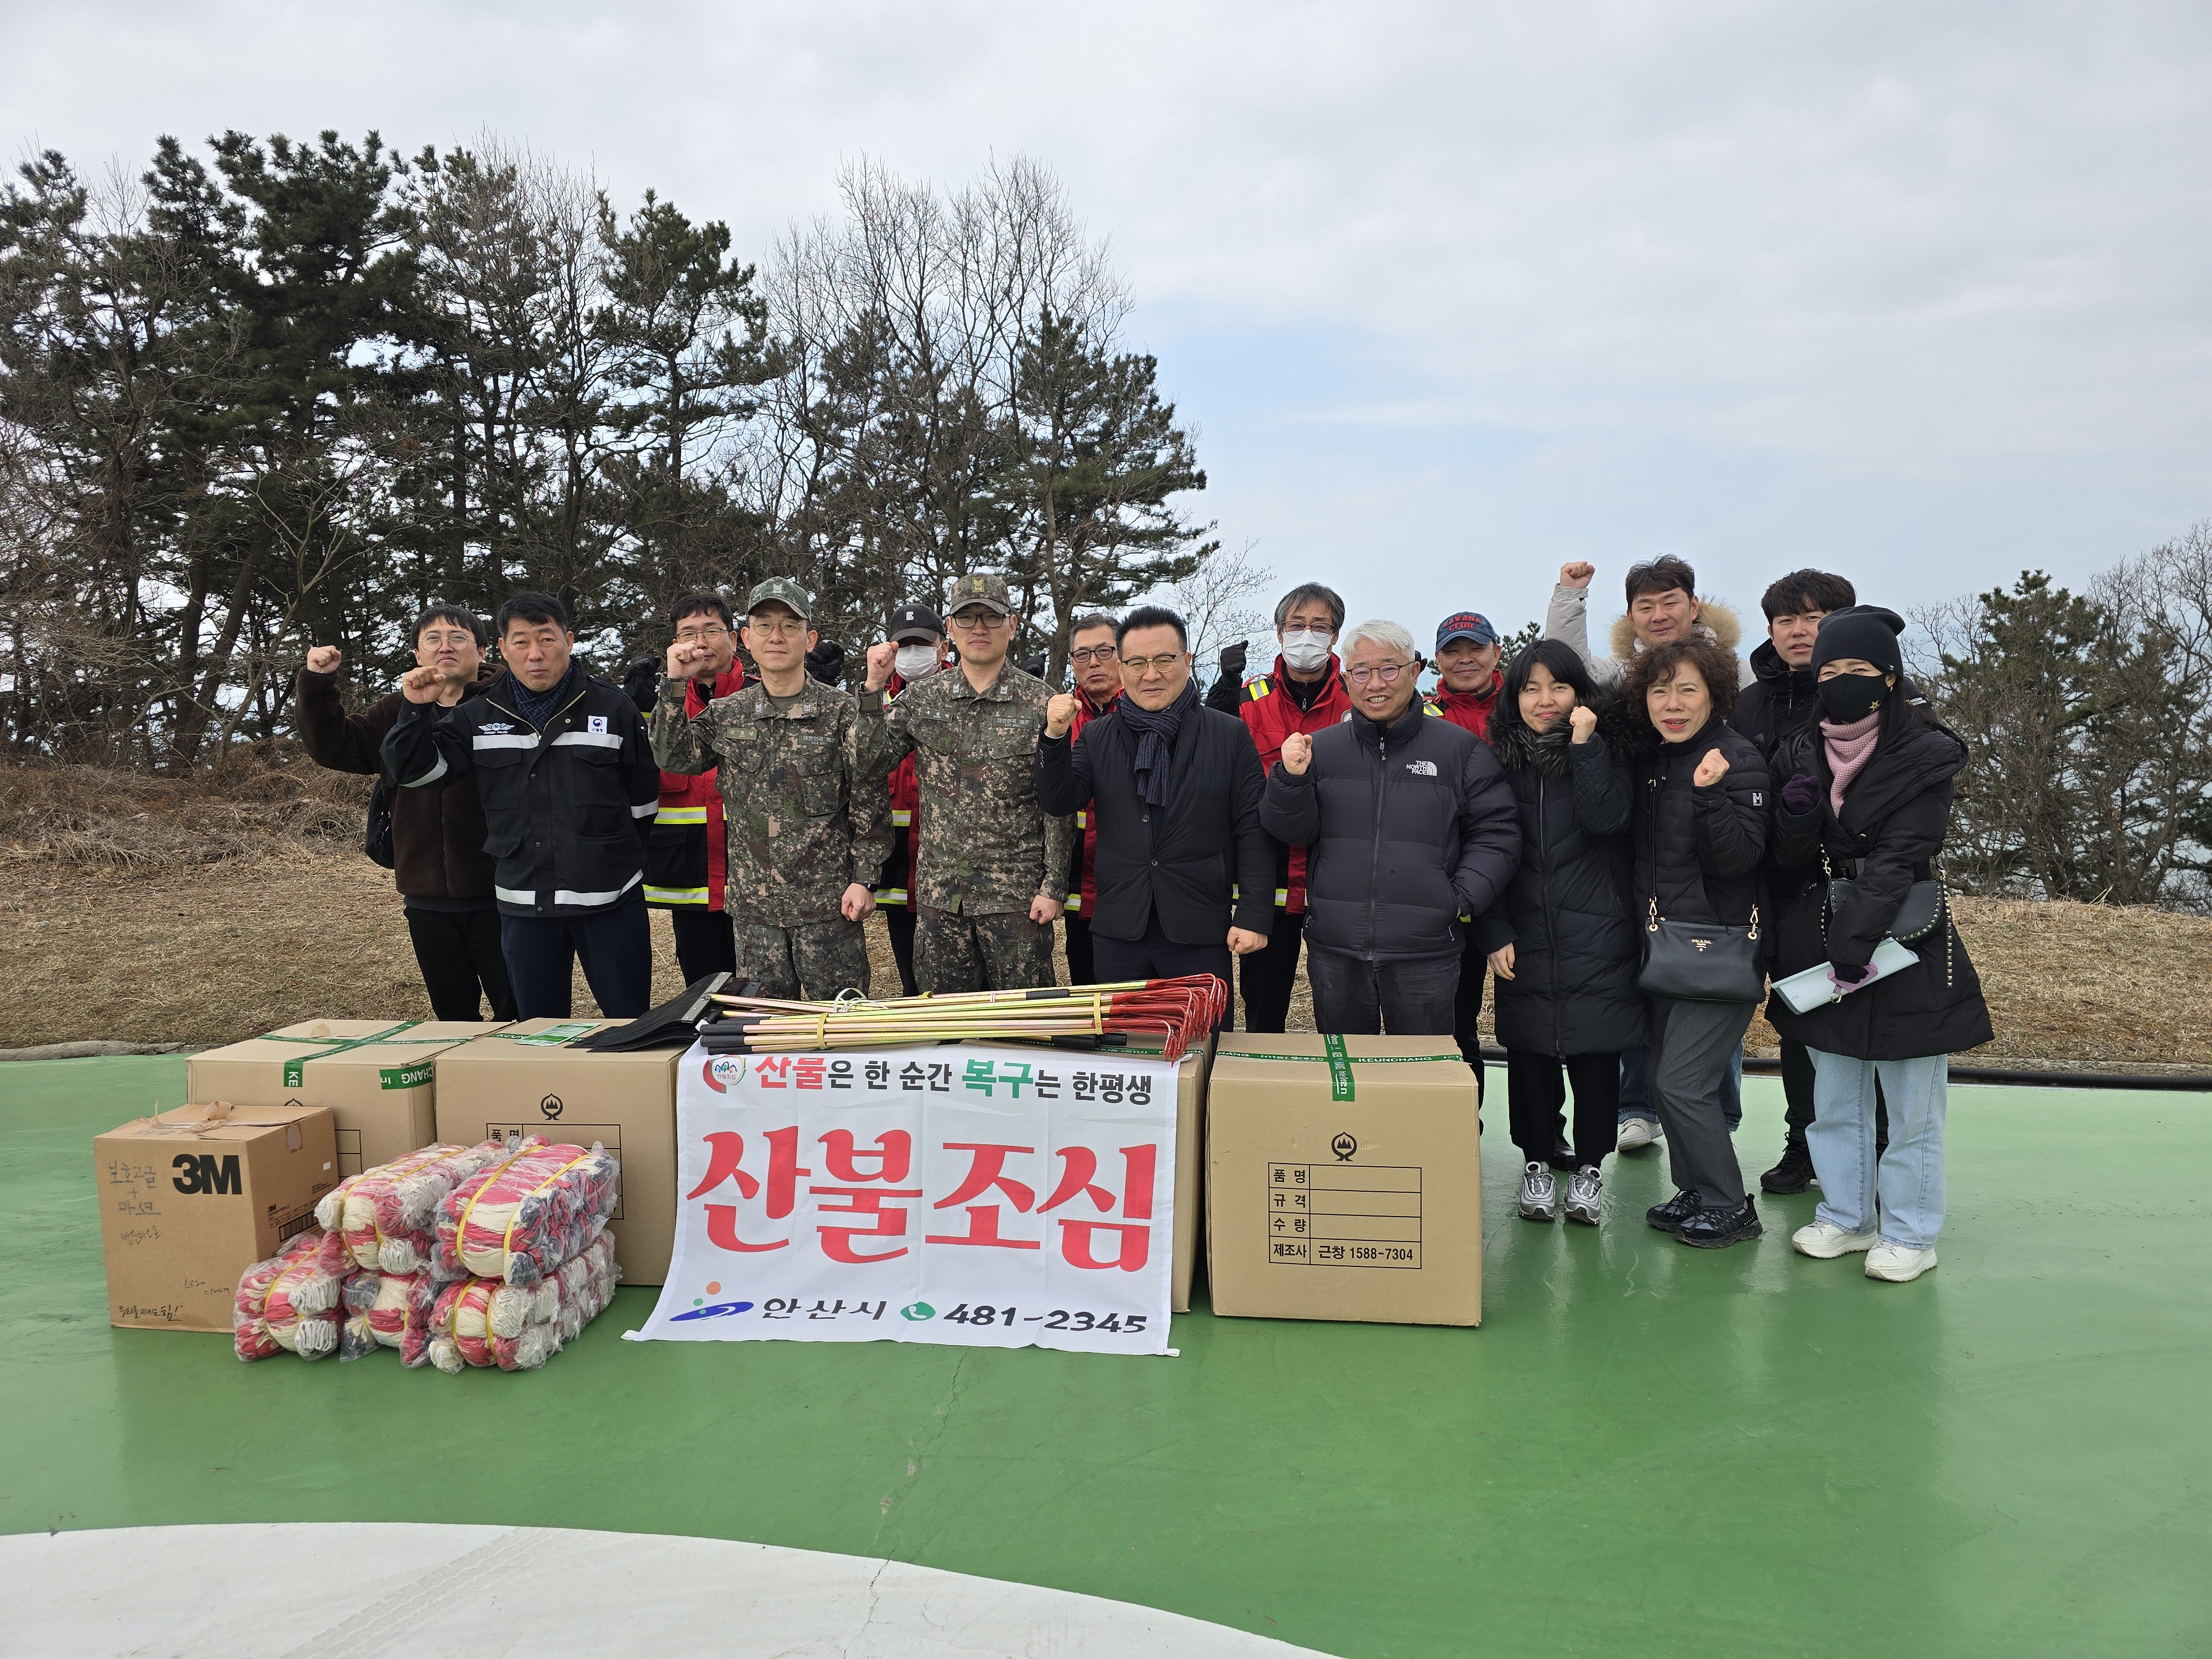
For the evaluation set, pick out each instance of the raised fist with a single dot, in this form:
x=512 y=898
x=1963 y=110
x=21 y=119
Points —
x=1577 y=573
x=1298 y=754
x=1232 y=659
x=1710 y=770
x=1582 y=721
x=324 y=658
x=882 y=656
x=1059 y=714
x=420 y=685
x=688 y=662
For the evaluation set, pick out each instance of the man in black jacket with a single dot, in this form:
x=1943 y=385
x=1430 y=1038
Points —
x=439 y=864
x=1408 y=824
x=1173 y=789
x=569 y=787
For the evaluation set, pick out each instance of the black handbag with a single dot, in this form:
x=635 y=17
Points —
x=1701 y=961
x=376 y=835
x=1920 y=914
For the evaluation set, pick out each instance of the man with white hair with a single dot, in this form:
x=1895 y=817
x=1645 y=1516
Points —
x=1408 y=824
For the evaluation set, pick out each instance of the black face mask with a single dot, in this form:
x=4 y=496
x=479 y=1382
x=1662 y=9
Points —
x=1850 y=698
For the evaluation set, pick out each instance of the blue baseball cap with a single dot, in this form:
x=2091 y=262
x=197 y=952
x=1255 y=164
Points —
x=1466 y=625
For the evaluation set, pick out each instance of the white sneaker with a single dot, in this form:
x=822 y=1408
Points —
x=1585 y=1191
x=1538 y=1194
x=1901 y=1264
x=1824 y=1241
x=1636 y=1134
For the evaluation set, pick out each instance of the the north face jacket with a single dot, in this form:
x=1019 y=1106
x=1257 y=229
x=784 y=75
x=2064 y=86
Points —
x=567 y=807
x=1405 y=827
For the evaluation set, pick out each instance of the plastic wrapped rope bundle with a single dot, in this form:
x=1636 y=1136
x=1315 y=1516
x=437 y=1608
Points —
x=484 y=1322
x=389 y=1214
x=526 y=1214
x=291 y=1302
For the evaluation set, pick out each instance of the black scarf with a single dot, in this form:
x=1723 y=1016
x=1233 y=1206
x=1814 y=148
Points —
x=1155 y=730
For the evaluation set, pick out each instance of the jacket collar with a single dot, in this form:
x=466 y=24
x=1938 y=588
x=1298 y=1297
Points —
x=1401 y=730
x=730 y=681
x=1779 y=678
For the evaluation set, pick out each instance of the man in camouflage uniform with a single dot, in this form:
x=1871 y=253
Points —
x=804 y=825
x=991 y=868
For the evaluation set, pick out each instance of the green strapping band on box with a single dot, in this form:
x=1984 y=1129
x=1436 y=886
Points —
x=295 y=1071
x=1341 y=1062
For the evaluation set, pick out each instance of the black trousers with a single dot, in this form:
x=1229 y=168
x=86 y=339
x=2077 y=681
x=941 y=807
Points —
x=615 y=947
x=705 y=943
x=1267 y=977
x=1082 y=960
x=1686 y=1066
x=898 y=922
x=1353 y=997
x=1467 y=1005
x=1157 y=956
x=1535 y=1091
x=457 y=951
x=1797 y=1090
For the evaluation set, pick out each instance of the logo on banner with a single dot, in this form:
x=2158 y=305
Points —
x=550 y=1107
x=719 y=1311
x=917 y=1310
x=721 y=1071
x=1344 y=1146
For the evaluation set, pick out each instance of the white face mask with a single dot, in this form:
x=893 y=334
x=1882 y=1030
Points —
x=1305 y=651
x=913 y=661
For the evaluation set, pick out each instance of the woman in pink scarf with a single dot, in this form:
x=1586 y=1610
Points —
x=1868 y=801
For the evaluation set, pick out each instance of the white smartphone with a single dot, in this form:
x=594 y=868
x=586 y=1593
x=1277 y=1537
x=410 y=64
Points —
x=1809 y=990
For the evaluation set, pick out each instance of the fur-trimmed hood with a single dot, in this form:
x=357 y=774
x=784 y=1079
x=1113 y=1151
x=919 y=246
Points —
x=1715 y=621
x=1519 y=745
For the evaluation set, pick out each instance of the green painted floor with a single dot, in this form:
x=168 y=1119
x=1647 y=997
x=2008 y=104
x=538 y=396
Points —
x=1645 y=1450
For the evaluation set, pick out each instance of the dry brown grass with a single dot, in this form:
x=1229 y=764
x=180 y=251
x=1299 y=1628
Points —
x=198 y=913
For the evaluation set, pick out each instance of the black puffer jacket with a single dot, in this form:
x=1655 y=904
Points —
x=1895 y=815
x=1698 y=851
x=1567 y=914
x=1776 y=703
x=1405 y=827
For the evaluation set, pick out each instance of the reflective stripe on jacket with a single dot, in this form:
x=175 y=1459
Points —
x=1271 y=715
x=687 y=851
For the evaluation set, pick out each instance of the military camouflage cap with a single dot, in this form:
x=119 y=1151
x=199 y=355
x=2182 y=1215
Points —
x=989 y=592
x=784 y=591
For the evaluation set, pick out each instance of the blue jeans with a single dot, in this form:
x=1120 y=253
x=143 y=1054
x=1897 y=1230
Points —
x=1636 y=1095
x=1908 y=1182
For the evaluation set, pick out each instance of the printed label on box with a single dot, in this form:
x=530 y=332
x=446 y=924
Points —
x=1336 y=1215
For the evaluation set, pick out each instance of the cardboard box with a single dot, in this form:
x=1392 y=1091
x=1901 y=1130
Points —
x=192 y=1198
x=1344 y=1179
x=375 y=1075
x=524 y=1080
x=1190 y=1166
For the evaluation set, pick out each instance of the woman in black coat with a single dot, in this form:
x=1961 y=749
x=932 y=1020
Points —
x=1702 y=800
x=1560 y=940
x=1868 y=803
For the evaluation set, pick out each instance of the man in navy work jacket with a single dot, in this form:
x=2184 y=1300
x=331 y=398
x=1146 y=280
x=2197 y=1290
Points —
x=1408 y=824
x=569 y=787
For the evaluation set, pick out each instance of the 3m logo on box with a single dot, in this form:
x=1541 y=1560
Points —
x=205 y=1172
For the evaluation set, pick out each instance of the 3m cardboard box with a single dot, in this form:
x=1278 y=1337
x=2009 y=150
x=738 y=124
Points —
x=375 y=1075
x=1344 y=1179
x=190 y=1197
x=525 y=1080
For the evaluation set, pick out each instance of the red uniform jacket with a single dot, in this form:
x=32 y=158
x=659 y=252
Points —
x=1471 y=709
x=1270 y=716
x=686 y=854
x=1083 y=879
x=894 y=886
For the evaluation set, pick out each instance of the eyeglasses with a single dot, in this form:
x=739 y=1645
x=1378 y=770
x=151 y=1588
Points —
x=707 y=636
x=774 y=628
x=1164 y=661
x=978 y=619
x=1387 y=672
x=1093 y=653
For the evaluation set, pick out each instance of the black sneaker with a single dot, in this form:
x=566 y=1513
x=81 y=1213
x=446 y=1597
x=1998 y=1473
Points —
x=1668 y=1218
x=1714 y=1229
x=1795 y=1173
x=1563 y=1158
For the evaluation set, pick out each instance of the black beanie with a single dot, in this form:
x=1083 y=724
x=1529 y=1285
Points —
x=1865 y=631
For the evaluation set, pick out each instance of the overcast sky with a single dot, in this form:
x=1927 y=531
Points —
x=1918 y=292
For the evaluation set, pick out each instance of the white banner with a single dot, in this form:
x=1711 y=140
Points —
x=993 y=1197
